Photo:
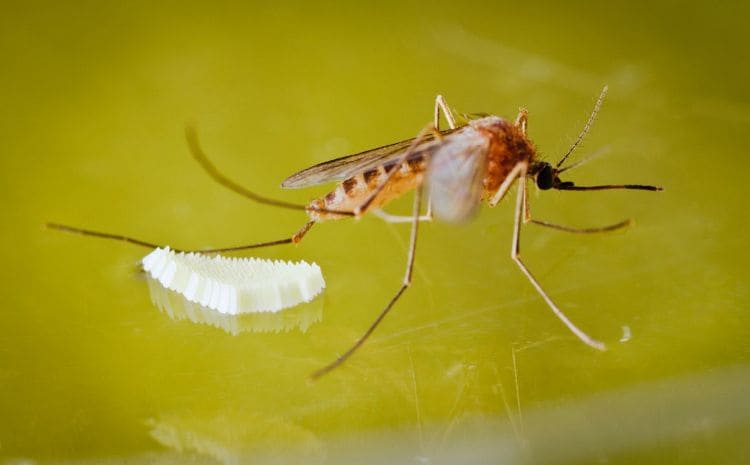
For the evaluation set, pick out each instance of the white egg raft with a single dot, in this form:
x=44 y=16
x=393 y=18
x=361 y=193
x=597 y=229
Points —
x=233 y=285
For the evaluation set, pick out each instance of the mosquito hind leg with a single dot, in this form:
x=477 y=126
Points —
x=302 y=231
x=515 y=254
x=141 y=243
x=404 y=285
x=101 y=235
x=295 y=239
x=200 y=156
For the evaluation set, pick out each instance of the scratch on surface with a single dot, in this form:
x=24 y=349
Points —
x=467 y=381
x=518 y=390
x=539 y=343
x=506 y=404
x=453 y=318
x=575 y=285
x=458 y=317
x=626 y=334
x=420 y=434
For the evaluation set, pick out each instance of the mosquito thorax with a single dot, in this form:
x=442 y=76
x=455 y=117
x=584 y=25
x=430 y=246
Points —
x=507 y=146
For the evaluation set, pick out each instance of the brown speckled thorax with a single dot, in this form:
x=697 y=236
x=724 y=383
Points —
x=508 y=145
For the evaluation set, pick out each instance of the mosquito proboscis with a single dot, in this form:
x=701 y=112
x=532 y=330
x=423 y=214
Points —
x=457 y=168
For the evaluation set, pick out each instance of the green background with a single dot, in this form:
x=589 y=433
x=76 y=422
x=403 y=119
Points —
x=471 y=366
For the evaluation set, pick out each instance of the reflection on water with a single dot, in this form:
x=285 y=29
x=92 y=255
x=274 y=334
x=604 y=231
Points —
x=179 y=308
x=238 y=438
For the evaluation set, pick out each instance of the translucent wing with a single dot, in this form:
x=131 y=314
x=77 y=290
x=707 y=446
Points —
x=454 y=176
x=346 y=167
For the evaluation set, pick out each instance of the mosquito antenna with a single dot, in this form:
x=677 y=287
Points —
x=200 y=156
x=585 y=159
x=586 y=127
x=572 y=187
x=141 y=243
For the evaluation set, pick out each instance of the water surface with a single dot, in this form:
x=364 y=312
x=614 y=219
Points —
x=471 y=366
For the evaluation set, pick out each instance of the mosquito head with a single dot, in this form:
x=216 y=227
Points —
x=545 y=175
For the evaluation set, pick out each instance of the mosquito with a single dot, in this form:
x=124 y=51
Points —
x=457 y=167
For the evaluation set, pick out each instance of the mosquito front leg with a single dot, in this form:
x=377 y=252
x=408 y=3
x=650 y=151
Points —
x=441 y=104
x=559 y=227
x=515 y=254
x=526 y=208
x=507 y=182
x=405 y=284
x=599 y=229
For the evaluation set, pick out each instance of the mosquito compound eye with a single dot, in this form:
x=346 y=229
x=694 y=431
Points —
x=545 y=178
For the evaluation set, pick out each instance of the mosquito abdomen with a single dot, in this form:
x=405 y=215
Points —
x=353 y=192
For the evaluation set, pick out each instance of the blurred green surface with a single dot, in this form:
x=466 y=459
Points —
x=471 y=367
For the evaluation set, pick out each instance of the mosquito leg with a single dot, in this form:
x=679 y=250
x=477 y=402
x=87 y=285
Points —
x=102 y=235
x=526 y=208
x=528 y=219
x=515 y=254
x=295 y=239
x=119 y=237
x=522 y=120
x=389 y=218
x=600 y=229
x=200 y=156
x=441 y=104
x=405 y=284
x=503 y=189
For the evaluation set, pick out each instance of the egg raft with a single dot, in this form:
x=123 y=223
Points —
x=235 y=285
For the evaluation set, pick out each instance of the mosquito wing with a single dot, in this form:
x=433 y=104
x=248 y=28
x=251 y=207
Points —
x=454 y=176
x=346 y=167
